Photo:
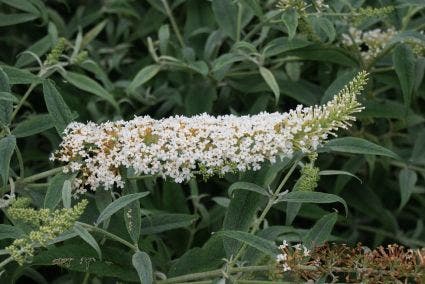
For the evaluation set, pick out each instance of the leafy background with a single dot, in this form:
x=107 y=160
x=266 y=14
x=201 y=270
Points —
x=158 y=58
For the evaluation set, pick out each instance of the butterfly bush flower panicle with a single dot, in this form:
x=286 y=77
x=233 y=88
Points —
x=181 y=147
x=371 y=43
x=48 y=225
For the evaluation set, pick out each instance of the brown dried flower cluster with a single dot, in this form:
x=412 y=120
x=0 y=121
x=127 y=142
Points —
x=341 y=263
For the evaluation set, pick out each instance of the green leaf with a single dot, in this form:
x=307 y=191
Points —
x=66 y=194
x=118 y=204
x=324 y=28
x=89 y=85
x=240 y=215
x=132 y=212
x=7 y=146
x=313 y=197
x=247 y=186
x=263 y=245
x=358 y=146
x=226 y=15
x=33 y=125
x=8 y=97
x=6 y=106
x=88 y=238
x=290 y=19
x=143 y=265
x=39 y=48
x=23 y=5
x=271 y=82
x=10 y=232
x=58 y=110
x=321 y=231
x=13 y=19
x=404 y=64
x=54 y=191
x=162 y=222
x=200 y=98
x=143 y=76
x=407 y=180
x=164 y=37
x=337 y=85
x=82 y=258
x=336 y=172
x=254 y=6
x=283 y=44
x=18 y=76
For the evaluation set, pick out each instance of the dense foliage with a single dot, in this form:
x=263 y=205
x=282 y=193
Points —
x=104 y=61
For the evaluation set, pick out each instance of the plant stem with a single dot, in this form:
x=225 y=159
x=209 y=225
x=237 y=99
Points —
x=239 y=23
x=270 y=203
x=41 y=175
x=6 y=261
x=173 y=22
x=213 y=273
x=109 y=235
x=22 y=101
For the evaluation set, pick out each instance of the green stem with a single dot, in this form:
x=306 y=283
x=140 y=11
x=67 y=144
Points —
x=20 y=162
x=22 y=101
x=109 y=235
x=270 y=203
x=239 y=23
x=6 y=261
x=173 y=22
x=212 y=273
x=41 y=175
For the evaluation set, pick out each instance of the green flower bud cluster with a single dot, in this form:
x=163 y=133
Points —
x=298 y=5
x=418 y=46
x=362 y=14
x=309 y=178
x=54 y=55
x=80 y=58
x=50 y=223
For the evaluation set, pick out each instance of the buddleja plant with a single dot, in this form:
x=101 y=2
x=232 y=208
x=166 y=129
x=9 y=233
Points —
x=178 y=152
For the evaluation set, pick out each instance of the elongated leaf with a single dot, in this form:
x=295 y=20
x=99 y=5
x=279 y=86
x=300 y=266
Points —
x=321 y=231
x=404 y=64
x=6 y=106
x=17 y=18
x=143 y=76
x=89 y=85
x=88 y=238
x=7 y=97
x=7 y=146
x=39 y=48
x=10 y=232
x=337 y=85
x=271 y=82
x=19 y=76
x=162 y=222
x=358 y=146
x=33 y=125
x=226 y=15
x=336 y=172
x=290 y=19
x=283 y=44
x=54 y=191
x=263 y=245
x=23 y=5
x=66 y=194
x=239 y=216
x=59 y=111
x=313 y=197
x=143 y=265
x=118 y=204
x=407 y=180
x=247 y=186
